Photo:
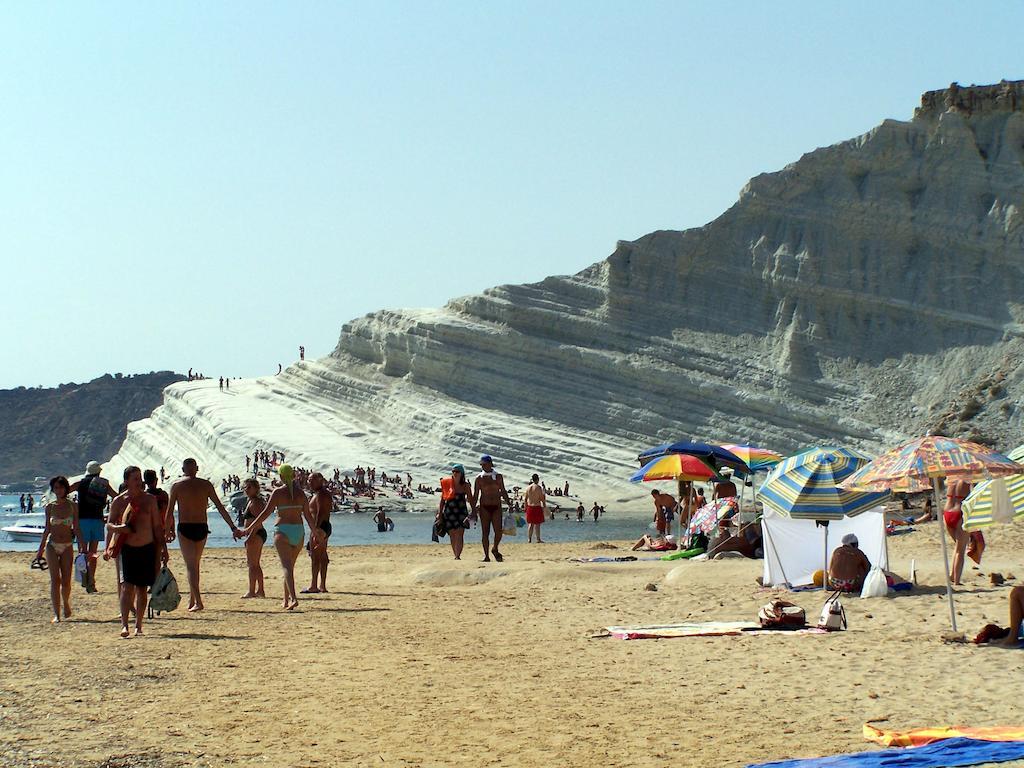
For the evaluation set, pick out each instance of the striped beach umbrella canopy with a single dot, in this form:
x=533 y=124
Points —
x=707 y=517
x=758 y=459
x=675 y=466
x=925 y=459
x=807 y=486
x=715 y=456
x=999 y=500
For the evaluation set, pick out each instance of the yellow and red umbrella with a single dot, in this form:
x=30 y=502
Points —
x=675 y=466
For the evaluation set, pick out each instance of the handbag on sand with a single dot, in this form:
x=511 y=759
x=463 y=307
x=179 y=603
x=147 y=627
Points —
x=778 y=614
x=833 y=615
x=875 y=584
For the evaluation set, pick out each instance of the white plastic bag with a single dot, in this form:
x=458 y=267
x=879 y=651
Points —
x=508 y=525
x=81 y=567
x=875 y=584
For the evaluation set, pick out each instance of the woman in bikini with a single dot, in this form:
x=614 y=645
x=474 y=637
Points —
x=953 y=516
x=455 y=507
x=57 y=542
x=254 y=544
x=292 y=507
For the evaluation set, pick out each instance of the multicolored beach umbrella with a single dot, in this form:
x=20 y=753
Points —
x=758 y=459
x=807 y=486
x=929 y=458
x=675 y=466
x=715 y=456
x=706 y=518
x=1000 y=500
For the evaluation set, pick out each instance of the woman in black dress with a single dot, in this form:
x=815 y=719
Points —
x=455 y=508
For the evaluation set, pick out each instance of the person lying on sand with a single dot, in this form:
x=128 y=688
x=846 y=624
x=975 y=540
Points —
x=648 y=543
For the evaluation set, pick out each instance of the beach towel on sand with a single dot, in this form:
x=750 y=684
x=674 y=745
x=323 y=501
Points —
x=921 y=736
x=941 y=754
x=703 y=629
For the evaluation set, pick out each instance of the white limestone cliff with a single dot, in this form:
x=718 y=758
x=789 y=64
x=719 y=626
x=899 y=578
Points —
x=870 y=291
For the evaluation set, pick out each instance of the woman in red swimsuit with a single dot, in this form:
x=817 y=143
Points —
x=956 y=492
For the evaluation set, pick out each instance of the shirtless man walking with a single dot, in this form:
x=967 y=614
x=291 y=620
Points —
x=536 y=503
x=320 y=510
x=143 y=548
x=192 y=495
x=488 y=491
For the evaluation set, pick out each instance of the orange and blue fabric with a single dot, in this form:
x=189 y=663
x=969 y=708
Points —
x=946 y=753
x=921 y=736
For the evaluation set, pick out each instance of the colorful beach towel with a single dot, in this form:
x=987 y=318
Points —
x=921 y=736
x=941 y=754
x=702 y=629
x=606 y=559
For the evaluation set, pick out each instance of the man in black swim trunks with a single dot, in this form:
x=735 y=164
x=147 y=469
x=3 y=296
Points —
x=191 y=496
x=320 y=509
x=488 y=492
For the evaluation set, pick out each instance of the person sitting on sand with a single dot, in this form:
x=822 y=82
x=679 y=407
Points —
x=1016 y=616
x=848 y=567
x=143 y=547
x=536 y=502
x=454 y=508
x=320 y=509
x=928 y=514
x=58 y=542
x=292 y=508
x=254 y=544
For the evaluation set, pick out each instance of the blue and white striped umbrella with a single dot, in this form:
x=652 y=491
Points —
x=999 y=500
x=806 y=486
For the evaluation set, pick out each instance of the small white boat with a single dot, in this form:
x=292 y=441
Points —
x=24 y=532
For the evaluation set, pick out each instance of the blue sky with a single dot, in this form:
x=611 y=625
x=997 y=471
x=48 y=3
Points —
x=212 y=185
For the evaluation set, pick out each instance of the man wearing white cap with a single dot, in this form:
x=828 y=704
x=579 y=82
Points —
x=848 y=567
x=93 y=491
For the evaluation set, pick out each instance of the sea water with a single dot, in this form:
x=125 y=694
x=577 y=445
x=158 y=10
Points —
x=351 y=529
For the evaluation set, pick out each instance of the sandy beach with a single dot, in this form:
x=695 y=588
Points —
x=414 y=659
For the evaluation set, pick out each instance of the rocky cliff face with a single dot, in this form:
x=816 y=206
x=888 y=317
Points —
x=46 y=431
x=870 y=291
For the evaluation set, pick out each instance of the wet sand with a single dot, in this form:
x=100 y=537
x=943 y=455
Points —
x=414 y=659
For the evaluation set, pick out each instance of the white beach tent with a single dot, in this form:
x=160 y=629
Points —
x=794 y=549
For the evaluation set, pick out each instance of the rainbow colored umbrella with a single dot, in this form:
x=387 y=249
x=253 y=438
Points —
x=675 y=466
x=999 y=500
x=807 y=486
x=928 y=459
x=706 y=518
x=758 y=459
x=715 y=456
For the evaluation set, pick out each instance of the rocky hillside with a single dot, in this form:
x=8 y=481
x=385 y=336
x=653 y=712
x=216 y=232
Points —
x=46 y=431
x=870 y=291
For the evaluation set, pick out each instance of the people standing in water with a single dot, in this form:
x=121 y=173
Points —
x=292 y=508
x=143 y=547
x=454 y=508
x=536 y=502
x=59 y=535
x=93 y=492
x=254 y=544
x=192 y=495
x=488 y=492
x=381 y=519
x=320 y=507
x=953 y=516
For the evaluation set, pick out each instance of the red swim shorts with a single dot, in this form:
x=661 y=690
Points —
x=534 y=515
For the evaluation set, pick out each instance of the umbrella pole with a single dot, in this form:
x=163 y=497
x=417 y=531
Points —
x=945 y=555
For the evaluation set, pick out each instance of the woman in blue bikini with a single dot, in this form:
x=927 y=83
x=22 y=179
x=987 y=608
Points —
x=292 y=507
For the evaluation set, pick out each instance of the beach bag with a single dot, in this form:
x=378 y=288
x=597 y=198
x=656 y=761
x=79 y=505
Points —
x=833 y=615
x=778 y=614
x=875 y=584
x=81 y=567
x=164 y=594
x=508 y=525
x=520 y=521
